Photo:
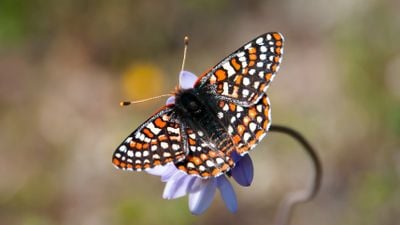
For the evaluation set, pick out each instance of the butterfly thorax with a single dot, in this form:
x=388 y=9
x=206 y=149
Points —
x=196 y=111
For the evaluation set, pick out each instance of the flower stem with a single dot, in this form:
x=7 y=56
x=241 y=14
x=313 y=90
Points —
x=287 y=205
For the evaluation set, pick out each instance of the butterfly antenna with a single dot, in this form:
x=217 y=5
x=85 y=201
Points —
x=186 y=43
x=126 y=103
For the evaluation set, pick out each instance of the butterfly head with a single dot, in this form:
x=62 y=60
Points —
x=186 y=82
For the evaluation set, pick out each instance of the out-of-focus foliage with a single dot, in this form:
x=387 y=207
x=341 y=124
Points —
x=65 y=65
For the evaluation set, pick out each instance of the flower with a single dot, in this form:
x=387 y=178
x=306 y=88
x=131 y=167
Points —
x=201 y=191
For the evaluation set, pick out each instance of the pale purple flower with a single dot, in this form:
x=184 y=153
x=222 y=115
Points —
x=201 y=191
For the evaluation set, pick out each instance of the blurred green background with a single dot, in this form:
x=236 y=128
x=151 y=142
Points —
x=65 y=65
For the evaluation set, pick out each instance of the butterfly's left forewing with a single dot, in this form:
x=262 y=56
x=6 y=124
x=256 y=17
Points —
x=156 y=142
x=244 y=76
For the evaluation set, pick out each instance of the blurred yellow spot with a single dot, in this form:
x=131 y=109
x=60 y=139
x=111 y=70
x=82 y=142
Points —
x=141 y=81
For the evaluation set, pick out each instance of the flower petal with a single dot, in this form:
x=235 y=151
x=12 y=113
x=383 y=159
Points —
x=170 y=100
x=178 y=185
x=161 y=170
x=200 y=200
x=235 y=156
x=166 y=171
x=187 y=79
x=172 y=185
x=243 y=171
x=183 y=186
x=227 y=193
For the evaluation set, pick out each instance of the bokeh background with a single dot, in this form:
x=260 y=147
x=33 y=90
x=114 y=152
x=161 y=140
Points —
x=65 y=65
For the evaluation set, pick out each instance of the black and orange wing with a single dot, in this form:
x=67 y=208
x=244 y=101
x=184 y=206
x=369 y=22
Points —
x=203 y=159
x=156 y=142
x=246 y=125
x=244 y=76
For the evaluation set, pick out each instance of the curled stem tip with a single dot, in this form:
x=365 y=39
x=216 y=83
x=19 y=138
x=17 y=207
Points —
x=286 y=208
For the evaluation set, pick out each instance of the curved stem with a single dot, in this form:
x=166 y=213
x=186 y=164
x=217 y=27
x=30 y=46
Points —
x=285 y=210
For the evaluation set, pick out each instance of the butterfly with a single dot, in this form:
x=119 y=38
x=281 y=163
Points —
x=226 y=113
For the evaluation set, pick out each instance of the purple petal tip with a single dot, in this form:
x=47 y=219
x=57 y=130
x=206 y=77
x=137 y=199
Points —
x=243 y=171
x=187 y=79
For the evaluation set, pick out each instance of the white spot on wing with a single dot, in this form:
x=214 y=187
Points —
x=263 y=49
x=153 y=129
x=271 y=58
x=173 y=130
x=246 y=81
x=272 y=49
x=246 y=136
x=225 y=88
x=230 y=128
x=175 y=147
x=130 y=153
x=164 y=145
x=128 y=140
x=123 y=148
x=252 y=71
x=259 y=108
x=252 y=126
x=219 y=161
x=245 y=93
x=240 y=54
x=225 y=108
x=210 y=163
x=227 y=66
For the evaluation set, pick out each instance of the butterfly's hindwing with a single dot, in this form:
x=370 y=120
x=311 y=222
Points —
x=157 y=142
x=246 y=125
x=203 y=158
x=245 y=75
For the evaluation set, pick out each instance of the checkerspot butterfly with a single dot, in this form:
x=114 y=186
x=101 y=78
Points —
x=226 y=112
